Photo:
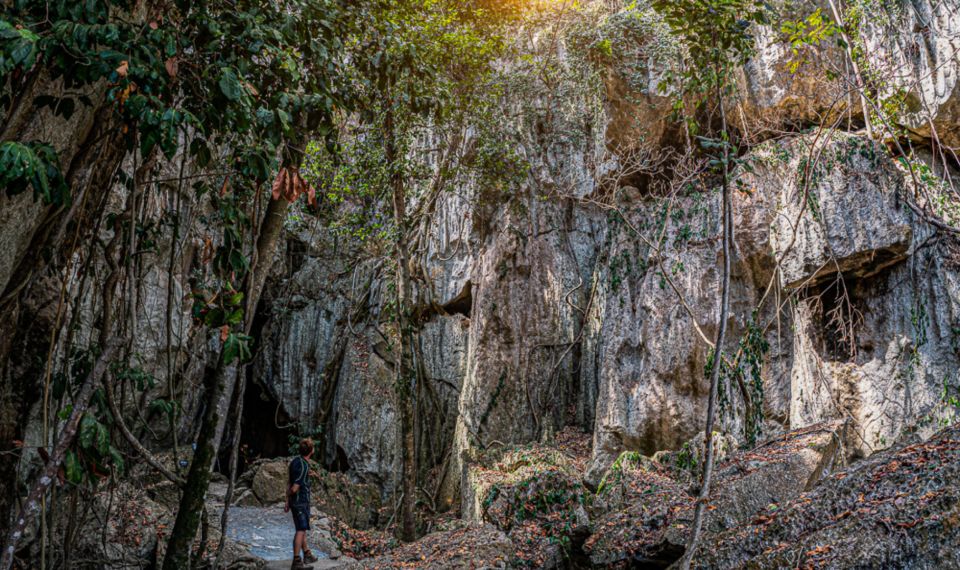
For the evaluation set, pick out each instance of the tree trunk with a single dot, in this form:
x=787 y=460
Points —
x=198 y=478
x=717 y=352
x=406 y=372
x=32 y=505
x=270 y=232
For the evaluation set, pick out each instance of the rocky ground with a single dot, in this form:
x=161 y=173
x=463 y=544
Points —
x=789 y=502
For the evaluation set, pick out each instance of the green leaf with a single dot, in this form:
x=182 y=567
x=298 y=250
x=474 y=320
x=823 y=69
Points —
x=33 y=165
x=230 y=84
x=72 y=468
x=117 y=459
x=231 y=349
x=103 y=439
x=214 y=317
x=88 y=431
x=235 y=318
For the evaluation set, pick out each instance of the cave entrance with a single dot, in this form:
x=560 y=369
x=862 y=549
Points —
x=462 y=303
x=265 y=431
x=837 y=313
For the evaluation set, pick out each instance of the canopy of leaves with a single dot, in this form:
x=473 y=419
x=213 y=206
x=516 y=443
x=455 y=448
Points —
x=204 y=77
x=716 y=34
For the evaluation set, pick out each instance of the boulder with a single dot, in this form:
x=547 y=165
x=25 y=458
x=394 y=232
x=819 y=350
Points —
x=269 y=482
x=357 y=504
x=898 y=509
x=653 y=526
x=534 y=494
x=768 y=475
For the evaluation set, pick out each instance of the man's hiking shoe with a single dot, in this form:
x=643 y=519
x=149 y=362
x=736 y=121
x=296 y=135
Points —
x=309 y=557
x=299 y=565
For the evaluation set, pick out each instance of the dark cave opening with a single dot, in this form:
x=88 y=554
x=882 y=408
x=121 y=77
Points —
x=463 y=303
x=661 y=556
x=339 y=463
x=838 y=314
x=265 y=431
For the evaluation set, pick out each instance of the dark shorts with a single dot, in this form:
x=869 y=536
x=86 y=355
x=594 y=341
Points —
x=301 y=516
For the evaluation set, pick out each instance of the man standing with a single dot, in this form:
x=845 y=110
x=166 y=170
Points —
x=298 y=501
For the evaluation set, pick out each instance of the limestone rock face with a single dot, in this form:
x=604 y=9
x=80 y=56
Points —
x=544 y=306
x=364 y=413
x=651 y=348
x=912 y=46
x=838 y=352
x=524 y=323
x=308 y=340
x=917 y=46
x=846 y=213
x=330 y=366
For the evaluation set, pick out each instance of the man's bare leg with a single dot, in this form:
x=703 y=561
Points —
x=299 y=539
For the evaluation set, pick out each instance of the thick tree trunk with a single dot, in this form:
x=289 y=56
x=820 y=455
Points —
x=270 y=232
x=198 y=478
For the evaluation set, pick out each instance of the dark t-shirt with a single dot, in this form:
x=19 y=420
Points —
x=300 y=474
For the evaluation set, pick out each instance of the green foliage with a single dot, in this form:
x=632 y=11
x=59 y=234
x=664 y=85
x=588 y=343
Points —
x=420 y=74
x=632 y=42
x=18 y=48
x=498 y=164
x=949 y=405
x=717 y=37
x=240 y=83
x=352 y=182
x=807 y=34
x=686 y=458
x=248 y=74
x=32 y=165
x=749 y=366
x=237 y=346
x=746 y=369
x=626 y=460
x=141 y=379
x=92 y=456
x=936 y=191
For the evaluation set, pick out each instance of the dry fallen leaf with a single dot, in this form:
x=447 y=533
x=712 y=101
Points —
x=172 y=66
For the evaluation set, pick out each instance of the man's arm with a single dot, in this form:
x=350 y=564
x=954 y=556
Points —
x=292 y=489
x=302 y=472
